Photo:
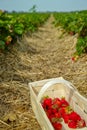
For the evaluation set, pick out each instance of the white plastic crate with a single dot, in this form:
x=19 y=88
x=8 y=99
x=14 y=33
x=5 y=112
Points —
x=56 y=87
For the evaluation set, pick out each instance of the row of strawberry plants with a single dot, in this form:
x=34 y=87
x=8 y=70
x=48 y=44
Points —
x=14 y=25
x=74 y=22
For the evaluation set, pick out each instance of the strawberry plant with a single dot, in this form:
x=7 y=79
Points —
x=14 y=25
x=81 y=45
x=74 y=22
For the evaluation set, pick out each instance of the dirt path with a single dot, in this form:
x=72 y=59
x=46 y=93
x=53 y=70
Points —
x=45 y=54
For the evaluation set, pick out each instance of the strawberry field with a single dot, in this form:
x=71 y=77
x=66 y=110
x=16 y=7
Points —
x=33 y=47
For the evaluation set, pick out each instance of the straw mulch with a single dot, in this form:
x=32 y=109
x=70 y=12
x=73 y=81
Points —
x=45 y=54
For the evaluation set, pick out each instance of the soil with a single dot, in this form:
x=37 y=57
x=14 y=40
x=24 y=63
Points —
x=44 y=54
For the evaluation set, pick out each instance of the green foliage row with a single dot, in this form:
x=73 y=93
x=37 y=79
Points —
x=74 y=22
x=14 y=25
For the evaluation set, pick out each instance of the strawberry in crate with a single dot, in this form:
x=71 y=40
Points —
x=58 y=110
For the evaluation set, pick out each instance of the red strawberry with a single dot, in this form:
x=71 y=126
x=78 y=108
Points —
x=66 y=118
x=54 y=110
x=47 y=102
x=57 y=126
x=74 y=116
x=62 y=111
x=72 y=124
x=73 y=58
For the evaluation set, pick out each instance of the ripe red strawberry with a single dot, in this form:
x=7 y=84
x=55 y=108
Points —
x=65 y=110
x=57 y=126
x=47 y=102
x=54 y=110
x=62 y=111
x=74 y=116
x=72 y=124
x=66 y=118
